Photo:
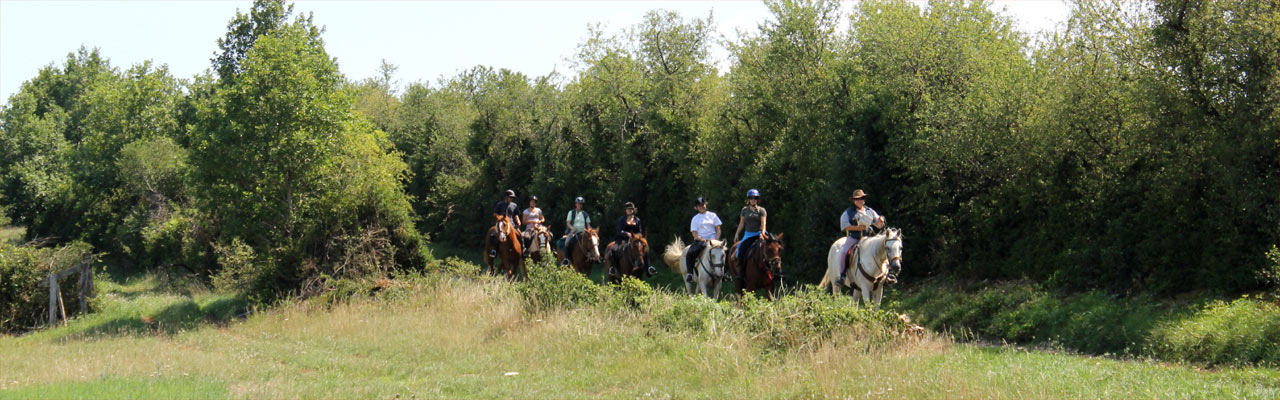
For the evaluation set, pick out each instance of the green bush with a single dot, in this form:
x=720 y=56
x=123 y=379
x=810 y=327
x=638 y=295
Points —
x=1244 y=331
x=23 y=303
x=549 y=287
x=1092 y=322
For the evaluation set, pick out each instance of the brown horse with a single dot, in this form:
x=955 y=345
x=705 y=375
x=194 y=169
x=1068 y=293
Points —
x=762 y=268
x=632 y=256
x=584 y=252
x=538 y=244
x=509 y=252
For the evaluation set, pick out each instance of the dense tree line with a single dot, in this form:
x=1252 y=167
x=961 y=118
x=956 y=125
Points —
x=1133 y=150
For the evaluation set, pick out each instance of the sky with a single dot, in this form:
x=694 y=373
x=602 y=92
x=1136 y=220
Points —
x=427 y=40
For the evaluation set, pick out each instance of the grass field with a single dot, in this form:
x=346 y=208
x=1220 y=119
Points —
x=448 y=337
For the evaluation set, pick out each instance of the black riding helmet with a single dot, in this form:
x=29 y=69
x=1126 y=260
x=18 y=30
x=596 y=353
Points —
x=629 y=205
x=511 y=193
x=533 y=198
x=699 y=201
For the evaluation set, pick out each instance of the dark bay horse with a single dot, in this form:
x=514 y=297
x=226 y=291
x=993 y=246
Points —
x=632 y=256
x=510 y=252
x=761 y=269
x=584 y=252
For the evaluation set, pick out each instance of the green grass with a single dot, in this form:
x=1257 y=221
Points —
x=449 y=337
x=12 y=234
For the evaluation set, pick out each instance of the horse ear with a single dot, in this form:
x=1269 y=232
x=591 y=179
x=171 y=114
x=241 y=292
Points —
x=779 y=237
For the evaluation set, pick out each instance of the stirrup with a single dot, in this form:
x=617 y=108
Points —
x=493 y=254
x=652 y=271
x=891 y=278
x=688 y=278
x=613 y=271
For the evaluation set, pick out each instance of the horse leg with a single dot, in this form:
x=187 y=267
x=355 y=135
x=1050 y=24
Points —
x=866 y=294
x=877 y=295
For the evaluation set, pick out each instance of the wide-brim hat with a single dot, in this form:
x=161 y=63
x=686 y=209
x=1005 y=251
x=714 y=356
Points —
x=858 y=194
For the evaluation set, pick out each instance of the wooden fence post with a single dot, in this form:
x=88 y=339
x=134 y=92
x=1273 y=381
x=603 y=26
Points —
x=53 y=298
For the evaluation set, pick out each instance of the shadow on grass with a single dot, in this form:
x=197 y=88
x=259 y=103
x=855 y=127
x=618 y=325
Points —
x=180 y=316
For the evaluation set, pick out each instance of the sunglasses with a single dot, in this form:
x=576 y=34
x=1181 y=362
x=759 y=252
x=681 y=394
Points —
x=754 y=198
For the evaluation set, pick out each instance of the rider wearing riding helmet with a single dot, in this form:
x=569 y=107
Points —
x=856 y=222
x=751 y=220
x=576 y=222
x=628 y=225
x=704 y=226
x=505 y=212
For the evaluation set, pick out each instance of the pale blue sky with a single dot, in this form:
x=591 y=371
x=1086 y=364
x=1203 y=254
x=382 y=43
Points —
x=426 y=39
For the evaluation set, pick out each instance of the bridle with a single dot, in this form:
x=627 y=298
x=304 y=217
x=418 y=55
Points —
x=883 y=257
x=711 y=264
x=633 y=251
x=581 y=243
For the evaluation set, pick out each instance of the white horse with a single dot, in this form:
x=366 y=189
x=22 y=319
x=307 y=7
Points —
x=706 y=270
x=879 y=260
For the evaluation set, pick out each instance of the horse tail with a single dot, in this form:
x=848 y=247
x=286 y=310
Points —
x=826 y=280
x=671 y=255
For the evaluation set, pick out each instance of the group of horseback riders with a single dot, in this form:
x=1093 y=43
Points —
x=856 y=222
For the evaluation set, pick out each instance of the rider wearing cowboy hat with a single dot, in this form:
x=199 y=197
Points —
x=704 y=226
x=855 y=223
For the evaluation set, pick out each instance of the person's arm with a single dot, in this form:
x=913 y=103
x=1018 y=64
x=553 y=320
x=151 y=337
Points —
x=717 y=232
x=738 y=233
x=763 y=219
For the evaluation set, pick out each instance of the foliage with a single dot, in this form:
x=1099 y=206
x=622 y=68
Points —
x=1241 y=332
x=552 y=287
x=23 y=303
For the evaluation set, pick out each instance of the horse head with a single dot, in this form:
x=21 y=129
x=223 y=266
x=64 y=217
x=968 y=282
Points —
x=773 y=252
x=639 y=249
x=716 y=253
x=594 y=236
x=893 y=252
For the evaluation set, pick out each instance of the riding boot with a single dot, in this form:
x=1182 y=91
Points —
x=651 y=271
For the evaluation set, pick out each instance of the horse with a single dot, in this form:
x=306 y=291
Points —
x=509 y=251
x=539 y=244
x=762 y=268
x=879 y=259
x=633 y=258
x=706 y=270
x=585 y=251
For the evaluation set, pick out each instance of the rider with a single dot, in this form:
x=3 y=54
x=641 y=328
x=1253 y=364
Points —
x=751 y=220
x=704 y=226
x=506 y=216
x=855 y=223
x=628 y=225
x=575 y=223
x=532 y=218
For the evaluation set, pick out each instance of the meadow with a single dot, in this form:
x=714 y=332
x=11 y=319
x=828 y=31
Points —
x=460 y=335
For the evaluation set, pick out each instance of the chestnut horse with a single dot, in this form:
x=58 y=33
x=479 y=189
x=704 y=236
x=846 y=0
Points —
x=510 y=252
x=585 y=251
x=538 y=245
x=633 y=258
x=762 y=268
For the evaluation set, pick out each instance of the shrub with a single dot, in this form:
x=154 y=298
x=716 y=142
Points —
x=1093 y=322
x=23 y=303
x=549 y=287
x=1244 y=331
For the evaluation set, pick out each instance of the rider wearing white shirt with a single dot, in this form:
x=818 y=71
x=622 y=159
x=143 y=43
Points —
x=704 y=226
